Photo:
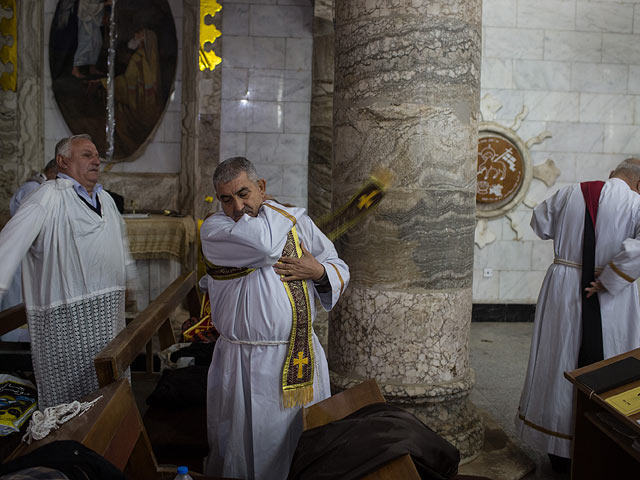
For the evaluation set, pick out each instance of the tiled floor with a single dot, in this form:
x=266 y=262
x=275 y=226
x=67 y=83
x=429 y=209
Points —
x=499 y=353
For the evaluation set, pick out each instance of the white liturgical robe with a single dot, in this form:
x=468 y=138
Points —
x=251 y=434
x=544 y=418
x=74 y=265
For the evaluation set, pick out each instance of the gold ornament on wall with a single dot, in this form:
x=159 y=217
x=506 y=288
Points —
x=208 y=34
x=9 y=53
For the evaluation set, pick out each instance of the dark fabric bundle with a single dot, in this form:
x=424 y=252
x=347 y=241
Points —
x=180 y=388
x=201 y=352
x=69 y=457
x=367 y=439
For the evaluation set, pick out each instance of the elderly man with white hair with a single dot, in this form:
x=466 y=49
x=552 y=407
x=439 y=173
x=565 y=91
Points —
x=72 y=243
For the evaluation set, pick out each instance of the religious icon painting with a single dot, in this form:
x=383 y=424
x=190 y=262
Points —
x=143 y=50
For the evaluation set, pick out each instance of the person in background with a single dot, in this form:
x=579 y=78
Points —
x=588 y=307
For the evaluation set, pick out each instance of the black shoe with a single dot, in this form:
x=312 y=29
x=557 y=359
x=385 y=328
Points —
x=560 y=464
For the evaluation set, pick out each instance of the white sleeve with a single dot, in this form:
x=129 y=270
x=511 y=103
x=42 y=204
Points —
x=337 y=271
x=623 y=269
x=543 y=219
x=251 y=241
x=16 y=238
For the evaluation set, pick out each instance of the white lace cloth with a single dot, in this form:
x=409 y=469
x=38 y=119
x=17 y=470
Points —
x=42 y=423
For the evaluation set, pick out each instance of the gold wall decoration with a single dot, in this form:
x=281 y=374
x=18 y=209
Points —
x=208 y=34
x=9 y=53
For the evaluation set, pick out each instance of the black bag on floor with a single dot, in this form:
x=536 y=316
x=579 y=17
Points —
x=367 y=439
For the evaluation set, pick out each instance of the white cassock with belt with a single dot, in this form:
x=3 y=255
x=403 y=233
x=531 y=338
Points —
x=544 y=418
x=251 y=433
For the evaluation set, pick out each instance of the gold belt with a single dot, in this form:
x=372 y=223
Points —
x=560 y=261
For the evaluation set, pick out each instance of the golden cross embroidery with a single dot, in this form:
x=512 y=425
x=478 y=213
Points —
x=299 y=362
x=366 y=200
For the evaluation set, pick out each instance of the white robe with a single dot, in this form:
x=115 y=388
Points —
x=251 y=434
x=13 y=295
x=74 y=279
x=544 y=419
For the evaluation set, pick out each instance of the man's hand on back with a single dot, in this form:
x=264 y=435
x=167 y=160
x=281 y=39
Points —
x=303 y=268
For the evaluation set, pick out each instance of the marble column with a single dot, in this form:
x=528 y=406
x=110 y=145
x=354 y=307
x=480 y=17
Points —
x=406 y=98
x=321 y=121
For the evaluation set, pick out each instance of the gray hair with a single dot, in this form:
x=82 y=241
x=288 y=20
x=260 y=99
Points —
x=231 y=168
x=629 y=168
x=51 y=165
x=63 y=147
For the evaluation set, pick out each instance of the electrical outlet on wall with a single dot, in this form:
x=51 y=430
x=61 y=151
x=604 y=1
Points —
x=487 y=272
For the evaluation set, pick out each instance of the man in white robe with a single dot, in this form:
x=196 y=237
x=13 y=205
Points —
x=72 y=243
x=251 y=433
x=544 y=418
x=13 y=295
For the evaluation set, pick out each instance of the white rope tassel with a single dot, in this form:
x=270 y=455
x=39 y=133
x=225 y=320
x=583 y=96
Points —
x=41 y=423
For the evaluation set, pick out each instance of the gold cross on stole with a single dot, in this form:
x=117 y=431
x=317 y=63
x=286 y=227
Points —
x=299 y=362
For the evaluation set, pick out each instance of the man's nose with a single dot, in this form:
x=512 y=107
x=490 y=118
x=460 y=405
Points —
x=238 y=205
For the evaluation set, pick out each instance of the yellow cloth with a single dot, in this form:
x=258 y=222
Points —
x=160 y=236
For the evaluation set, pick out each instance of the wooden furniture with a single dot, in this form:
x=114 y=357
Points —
x=112 y=428
x=598 y=450
x=344 y=403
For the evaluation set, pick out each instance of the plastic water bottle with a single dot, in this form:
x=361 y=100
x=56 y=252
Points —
x=183 y=474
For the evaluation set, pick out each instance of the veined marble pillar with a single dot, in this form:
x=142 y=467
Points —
x=406 y=98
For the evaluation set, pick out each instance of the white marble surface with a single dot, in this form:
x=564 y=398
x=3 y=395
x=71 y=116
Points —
x=571 y=46
x=606 y=17
x=540 y=75
x=552 y=106
x=547 y=14
x=621 y=48
x=499 y=13
x=499 y=72
x=266 y=90
x=606 y=108
x=599 y=77
x=622 y=139
x=513 y=43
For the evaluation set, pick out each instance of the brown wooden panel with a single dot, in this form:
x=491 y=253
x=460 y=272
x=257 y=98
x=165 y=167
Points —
x=166 y=335
x=12 y=318
x=340 y=405
x=116 y=357
x=124 y=440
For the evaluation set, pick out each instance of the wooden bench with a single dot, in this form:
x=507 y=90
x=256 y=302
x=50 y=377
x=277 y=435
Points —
x=112 y=428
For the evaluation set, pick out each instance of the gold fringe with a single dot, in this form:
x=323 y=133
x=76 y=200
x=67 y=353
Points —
x=297 y=397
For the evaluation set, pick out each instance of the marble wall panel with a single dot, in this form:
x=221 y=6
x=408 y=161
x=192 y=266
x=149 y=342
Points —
x=513 y=43
x=296 y=117
x=235 y=83
x=486 y=289
x=556 y=106
x=516 y=286
x=499 y=13
x=497 y=72
x=547 y=14
x=565 y=161
x=233 y=144
x=620 y=48
x=605 y=17
x=597 y=166
x=539 y=75
x=634 y=79
x=599 y=77
x=606 y=108
x=575 y=137
x=622 y=139
x=570 y=46
x=280 y=21
x=235 y=19
x=297 y=55
x=284 y=149
x=541 y=255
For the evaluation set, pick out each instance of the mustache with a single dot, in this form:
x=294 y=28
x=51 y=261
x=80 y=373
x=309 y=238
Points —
x=239 y=213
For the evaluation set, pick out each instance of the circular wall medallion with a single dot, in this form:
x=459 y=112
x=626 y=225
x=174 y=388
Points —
x=504 y=170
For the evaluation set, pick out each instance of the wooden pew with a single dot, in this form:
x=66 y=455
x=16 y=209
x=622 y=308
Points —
x=112 y=428
x=343 y=404
x=114 y=360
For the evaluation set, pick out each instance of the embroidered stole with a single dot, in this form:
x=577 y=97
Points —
x=591 y=349
x=297 y=374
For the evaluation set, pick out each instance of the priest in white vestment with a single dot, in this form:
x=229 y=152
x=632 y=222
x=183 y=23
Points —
x=254 y=416
x=72 y=244
x=544 y=418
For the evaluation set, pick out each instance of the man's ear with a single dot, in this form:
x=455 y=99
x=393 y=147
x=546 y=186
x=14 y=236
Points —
x=611 y=174
x=262 y=185
x=60 y=162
